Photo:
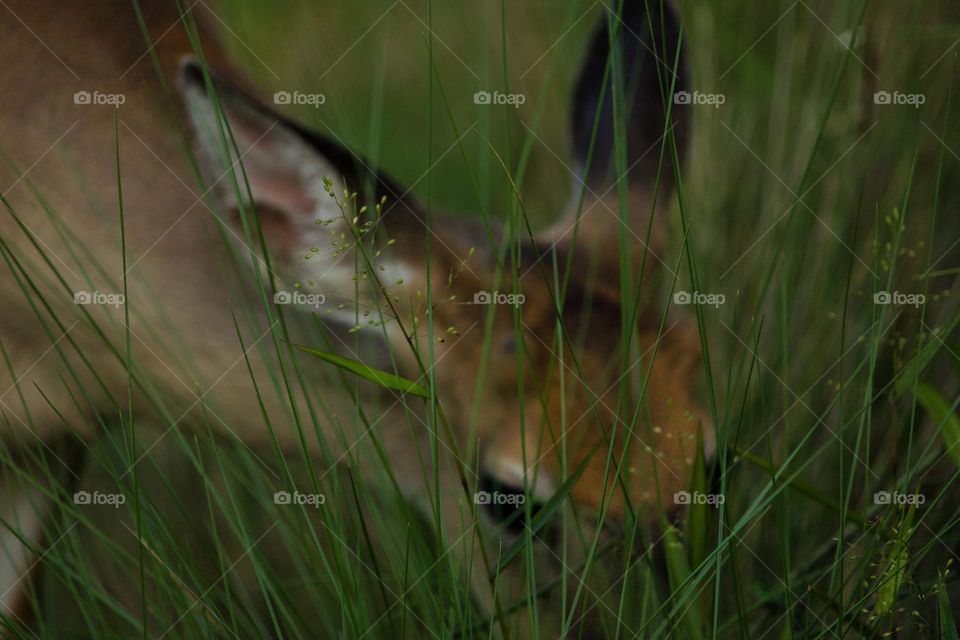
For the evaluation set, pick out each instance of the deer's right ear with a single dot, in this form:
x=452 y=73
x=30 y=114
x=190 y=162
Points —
x=284 y=172
x=297 y=182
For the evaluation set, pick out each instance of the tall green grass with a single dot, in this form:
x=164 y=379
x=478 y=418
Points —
x=801 y=200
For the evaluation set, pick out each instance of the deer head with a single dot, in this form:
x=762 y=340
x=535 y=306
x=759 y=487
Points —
x=548 y=350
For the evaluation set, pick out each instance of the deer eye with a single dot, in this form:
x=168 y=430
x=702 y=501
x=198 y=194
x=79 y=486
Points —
x=508 y=344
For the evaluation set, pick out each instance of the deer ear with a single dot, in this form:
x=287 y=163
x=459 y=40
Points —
x=625 y=92
x=298 y=184
x=632 y=60
x=285 y=174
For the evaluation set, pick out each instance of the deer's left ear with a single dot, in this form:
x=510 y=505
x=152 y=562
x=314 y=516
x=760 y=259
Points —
x=635 y=59
x=298 y=183
x=624 y=102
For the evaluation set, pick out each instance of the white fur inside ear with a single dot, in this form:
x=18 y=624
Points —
x=343 y=285
x=309 y=221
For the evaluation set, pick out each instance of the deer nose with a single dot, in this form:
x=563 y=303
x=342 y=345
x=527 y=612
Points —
x=505 y=503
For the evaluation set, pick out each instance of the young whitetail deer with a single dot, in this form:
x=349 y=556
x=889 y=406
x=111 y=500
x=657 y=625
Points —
x=564 y=385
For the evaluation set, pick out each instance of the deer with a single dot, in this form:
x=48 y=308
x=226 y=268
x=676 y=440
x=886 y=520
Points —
x=151 y=197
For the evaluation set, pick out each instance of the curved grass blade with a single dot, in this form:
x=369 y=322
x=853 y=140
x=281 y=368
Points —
x=941 y=413
x=697 y=515
x=687 y=623
x=382 y=378
x=948 y=628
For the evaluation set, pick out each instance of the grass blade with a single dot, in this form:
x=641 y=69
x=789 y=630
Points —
x=941 y=413
x=382 y=378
